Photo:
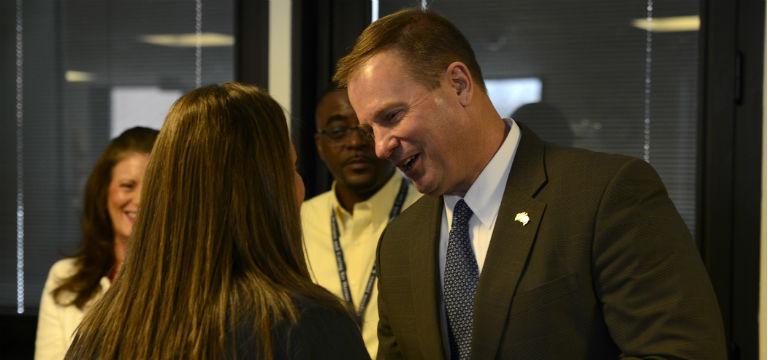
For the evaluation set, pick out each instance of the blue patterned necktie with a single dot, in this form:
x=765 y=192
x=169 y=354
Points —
x=461 y=277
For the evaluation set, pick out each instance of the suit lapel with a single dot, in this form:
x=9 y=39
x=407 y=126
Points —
x=510 y=245
x=425 y=279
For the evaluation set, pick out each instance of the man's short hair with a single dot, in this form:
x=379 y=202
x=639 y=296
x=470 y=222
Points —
x=427 y=41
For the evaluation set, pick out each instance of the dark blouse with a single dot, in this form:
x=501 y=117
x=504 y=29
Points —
x=320 y=333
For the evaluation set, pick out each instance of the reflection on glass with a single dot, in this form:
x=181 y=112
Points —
x=509 y=94
x=139 y=106
x=84 y=72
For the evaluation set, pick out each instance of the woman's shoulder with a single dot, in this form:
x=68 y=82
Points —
x=59 y=271
x=312 y=307
x=63 y=268
x=324 y=331
x=321 y=331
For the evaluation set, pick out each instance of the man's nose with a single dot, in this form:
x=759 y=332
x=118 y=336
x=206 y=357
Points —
x=357 y=138
x=385 y=144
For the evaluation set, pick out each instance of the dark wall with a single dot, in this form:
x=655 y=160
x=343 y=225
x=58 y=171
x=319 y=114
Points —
x=731 y=141
x=17 y=336
x=324 y=31
x=251 y=37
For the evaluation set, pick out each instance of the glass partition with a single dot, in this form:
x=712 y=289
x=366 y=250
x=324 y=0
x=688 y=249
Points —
x=84 y=71
x=611 y=76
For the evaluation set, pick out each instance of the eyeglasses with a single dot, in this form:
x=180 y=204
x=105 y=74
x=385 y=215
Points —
x=340 y=134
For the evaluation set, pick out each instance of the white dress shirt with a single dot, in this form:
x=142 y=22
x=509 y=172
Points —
x=484 y=199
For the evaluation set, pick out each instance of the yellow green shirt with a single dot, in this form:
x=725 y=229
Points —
x=359 y=235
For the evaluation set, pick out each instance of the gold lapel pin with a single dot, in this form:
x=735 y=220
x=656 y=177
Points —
x=523 y=218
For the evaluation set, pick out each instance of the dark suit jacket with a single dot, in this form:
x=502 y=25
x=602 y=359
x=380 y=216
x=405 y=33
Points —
x=605 y=267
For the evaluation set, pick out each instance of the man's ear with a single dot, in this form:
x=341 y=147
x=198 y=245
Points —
x=459 y=79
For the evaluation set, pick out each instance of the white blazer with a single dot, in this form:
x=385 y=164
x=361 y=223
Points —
x=56 y=323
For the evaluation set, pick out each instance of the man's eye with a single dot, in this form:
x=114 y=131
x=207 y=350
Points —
x=337 y=131
x=392 y=117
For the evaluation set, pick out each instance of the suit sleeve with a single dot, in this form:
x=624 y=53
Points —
x=388 y=347
x=658 y=302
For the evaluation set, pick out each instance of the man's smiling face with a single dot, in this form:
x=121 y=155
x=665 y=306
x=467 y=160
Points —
x=420 y=131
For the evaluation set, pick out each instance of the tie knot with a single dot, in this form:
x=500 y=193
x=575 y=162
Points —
x=461 y=213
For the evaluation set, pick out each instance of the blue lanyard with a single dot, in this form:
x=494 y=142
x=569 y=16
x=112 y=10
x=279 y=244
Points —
x=342 y=266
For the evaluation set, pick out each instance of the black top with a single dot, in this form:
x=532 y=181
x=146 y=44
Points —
x=320 y=333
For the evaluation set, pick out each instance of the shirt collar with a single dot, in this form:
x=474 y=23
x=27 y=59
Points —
x=484 y=196
x=380 y=204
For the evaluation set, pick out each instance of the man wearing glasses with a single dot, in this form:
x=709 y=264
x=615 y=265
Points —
x=342 y=226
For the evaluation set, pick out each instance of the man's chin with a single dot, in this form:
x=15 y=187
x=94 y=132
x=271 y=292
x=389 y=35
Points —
x=363 y=183
x=361 y=186
x=425 y=187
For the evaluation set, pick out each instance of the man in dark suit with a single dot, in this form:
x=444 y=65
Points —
x=521 y=249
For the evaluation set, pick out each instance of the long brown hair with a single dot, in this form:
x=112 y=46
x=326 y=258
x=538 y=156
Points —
x=217 y=237
x=426 y=40
x=96 y=255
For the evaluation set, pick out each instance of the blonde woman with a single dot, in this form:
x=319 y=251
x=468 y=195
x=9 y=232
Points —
x=109 y=210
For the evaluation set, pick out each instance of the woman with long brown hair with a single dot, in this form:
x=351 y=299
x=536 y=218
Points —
x=215 y=267
x=109 y=209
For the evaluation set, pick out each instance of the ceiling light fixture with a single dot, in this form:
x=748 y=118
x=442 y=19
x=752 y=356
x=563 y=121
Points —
x=79 y=76
x=668 y=24
x=188 y=40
